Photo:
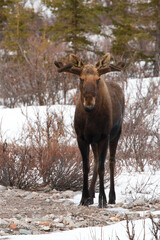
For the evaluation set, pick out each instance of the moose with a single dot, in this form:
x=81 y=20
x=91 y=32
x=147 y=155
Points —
x=98 y=122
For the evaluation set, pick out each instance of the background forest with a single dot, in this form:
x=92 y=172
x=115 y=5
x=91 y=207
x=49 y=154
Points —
x=33 y=35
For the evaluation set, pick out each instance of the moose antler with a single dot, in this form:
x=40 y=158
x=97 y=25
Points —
x=68 y=68
x=104 y=66
x=76 y=65
x=111 y=68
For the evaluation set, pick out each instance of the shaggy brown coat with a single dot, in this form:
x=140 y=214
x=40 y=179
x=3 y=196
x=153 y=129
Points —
x=98 y=122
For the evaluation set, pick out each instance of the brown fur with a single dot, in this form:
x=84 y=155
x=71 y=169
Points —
x=98 y=122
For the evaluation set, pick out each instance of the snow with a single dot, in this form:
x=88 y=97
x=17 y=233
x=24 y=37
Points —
x=129 y=186
x=13 y=121
x=141 y=227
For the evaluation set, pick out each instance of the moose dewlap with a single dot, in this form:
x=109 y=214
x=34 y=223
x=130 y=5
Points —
x=98 y=122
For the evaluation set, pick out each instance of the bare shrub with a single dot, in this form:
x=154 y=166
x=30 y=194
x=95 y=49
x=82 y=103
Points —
x=155 y=230
x=33 y=80
x=17 y=166
x=43 y=157
x=63 y=169
x=140 y=138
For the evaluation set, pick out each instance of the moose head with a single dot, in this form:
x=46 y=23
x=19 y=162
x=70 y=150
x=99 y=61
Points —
x=90 y=76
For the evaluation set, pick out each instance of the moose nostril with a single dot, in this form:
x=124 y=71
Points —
x=89 y=102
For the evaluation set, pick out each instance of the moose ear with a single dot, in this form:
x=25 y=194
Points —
x=104 y=61
x=77 y=62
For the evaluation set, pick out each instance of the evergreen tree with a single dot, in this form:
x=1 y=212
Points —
x=75 y=20
x=150 y=25
x=3 y=15
x=19 y=25
x=136 y=30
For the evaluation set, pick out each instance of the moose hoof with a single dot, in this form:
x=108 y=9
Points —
x=112 y=202
x=90 y=201
x=85 y=202
x=102 y=204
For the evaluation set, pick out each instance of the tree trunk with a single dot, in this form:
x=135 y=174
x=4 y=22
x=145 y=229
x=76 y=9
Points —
x=157 y=45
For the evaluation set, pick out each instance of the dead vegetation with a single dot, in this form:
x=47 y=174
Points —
x=45 y=157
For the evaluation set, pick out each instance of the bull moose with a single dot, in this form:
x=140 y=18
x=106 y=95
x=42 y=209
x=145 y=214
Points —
x=98 y=121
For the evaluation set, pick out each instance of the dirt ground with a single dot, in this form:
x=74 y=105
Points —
x=24 y=212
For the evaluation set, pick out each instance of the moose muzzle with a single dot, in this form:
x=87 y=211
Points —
x=89 y=103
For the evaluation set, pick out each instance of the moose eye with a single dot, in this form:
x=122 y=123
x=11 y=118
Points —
x=81 y=80
x=98 y=80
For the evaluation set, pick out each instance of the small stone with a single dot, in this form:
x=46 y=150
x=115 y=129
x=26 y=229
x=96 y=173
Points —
x=47 y=224
x=68 y=194
x=120 y=204
x=133 y=215
x=81 y=224
x=29 y=196
x=69 y=222
x=139 y=202
x=58 y=220
x=59 y=225
x=2 y=188
x=48 y=200
x=106 y=214
x=13 y=226
x=18 y=217
x=45 y=228
x=114 y=219
x=25 y=232
x=3 y=222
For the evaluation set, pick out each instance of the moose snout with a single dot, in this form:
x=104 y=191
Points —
x=89 y=103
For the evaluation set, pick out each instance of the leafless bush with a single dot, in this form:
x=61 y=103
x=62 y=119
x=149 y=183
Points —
x=42 y=157
x=17 y=166
x=130 y=231
x=139 y=145
x=33 y=80
x=155 y=230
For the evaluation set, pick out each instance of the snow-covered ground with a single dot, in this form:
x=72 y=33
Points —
x=112 y=232
x=129 y=186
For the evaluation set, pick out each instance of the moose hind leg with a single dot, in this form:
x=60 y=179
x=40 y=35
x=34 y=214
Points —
x=113 y=146
x=103 y=145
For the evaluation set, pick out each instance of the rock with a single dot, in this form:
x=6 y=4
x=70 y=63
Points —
x=68 y=194
x=45 y=228
x=56 y=196
x=59 y=225
x=47 y=224
x=13 y=226
x=139 y=202
x=81 y=224
x=18 y=216
x=133 y=215
x=68 y=222
x=106 y=214
x=120 y=204
x=2 y=188
x=25 y=232
x=3 y=222
x=58 y=220
x=30 y=196
x=67 y=203
x=114 y=219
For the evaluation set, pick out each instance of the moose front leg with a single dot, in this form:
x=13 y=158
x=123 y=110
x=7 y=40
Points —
x=95 y=172
x=84 y=149
x=102 y=147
